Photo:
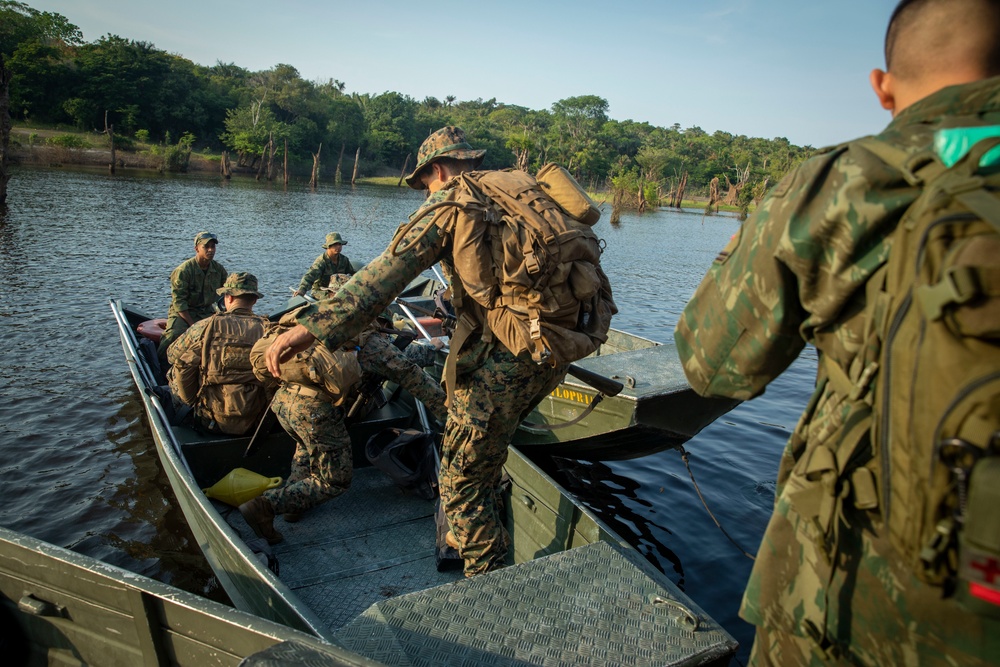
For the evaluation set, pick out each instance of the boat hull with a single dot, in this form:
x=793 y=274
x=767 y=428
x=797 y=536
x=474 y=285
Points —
x=362 y=570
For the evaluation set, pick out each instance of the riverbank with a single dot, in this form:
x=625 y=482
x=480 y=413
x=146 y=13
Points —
x=58 y=147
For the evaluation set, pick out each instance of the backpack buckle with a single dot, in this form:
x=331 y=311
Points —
x=957 y=285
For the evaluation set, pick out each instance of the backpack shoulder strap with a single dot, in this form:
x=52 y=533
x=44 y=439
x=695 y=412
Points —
x=918 y=167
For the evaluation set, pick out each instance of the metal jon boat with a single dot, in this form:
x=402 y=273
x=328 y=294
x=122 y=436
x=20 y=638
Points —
x=656 y=409
x=58 y=607
x=360 y=570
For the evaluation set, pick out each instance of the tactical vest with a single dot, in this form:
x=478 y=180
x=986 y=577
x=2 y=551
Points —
x=230 y=395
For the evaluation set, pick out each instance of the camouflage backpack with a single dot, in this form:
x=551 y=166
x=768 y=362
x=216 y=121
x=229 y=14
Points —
x=530 y=262
x=936 y=395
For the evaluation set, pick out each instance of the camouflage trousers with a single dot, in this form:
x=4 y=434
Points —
x=380 y=356
x=488 y=404
x=322 y=466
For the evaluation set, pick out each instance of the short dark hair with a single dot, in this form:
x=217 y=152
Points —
x=982 y=13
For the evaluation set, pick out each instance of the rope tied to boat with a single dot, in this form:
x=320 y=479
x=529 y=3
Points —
x=687 y=464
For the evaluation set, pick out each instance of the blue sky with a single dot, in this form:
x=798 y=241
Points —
x=766 y=68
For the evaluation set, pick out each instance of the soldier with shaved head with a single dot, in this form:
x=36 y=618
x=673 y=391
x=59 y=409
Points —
x=833 y=582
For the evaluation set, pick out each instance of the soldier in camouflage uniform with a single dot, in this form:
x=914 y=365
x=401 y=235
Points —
x=322 y=463
x=193 y=287
x=796 y=273
x=211 y=369
x=330 y=263
x=494 y=389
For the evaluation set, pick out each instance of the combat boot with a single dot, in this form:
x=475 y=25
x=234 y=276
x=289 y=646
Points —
x=259 y=514
x=451 y=540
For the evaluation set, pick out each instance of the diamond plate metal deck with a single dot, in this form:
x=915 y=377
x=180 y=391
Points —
x=369 y=544
x=594 y=605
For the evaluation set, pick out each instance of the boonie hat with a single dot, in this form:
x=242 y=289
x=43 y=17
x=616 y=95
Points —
x=240 y=283
x=334 y=238
x=201 y=238
x=450 y=142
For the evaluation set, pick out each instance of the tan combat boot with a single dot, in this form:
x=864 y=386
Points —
x=259 y=514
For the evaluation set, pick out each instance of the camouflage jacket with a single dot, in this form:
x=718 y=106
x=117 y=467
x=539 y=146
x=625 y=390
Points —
x=374 y=287
x=193 y=288
x=795 y=273
x=319 y=273
x=211 y=371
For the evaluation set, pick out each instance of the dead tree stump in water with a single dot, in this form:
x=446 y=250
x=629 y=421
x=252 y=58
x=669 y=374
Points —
x=679 y=194
x=315 y=174
x=357 y=157
x=110 y=131
x=340 y=162
x=225 y=166
x=406 y=163
x=286 y=163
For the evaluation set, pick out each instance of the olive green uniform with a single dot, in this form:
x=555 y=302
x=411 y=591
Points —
x=192 y=289
x=318 y=275
x=795 y=273
x=494 y=389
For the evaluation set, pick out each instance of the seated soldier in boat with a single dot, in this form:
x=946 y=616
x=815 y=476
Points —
x=193 y=287
x=211 y=369
x=330 y=263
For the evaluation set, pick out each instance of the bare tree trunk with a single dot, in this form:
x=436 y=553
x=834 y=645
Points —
x=713 y=196
x=270 y=156
x=406 y=163
x=5 y=77
x=340 y=161
x=110 y=131
x=680 y=189
x=286 y=163
x=521 y=155
x=642 y=199
x=616 y=206
x=263 y=163
x=315 y=175
x=226 y=166
x=357 y=158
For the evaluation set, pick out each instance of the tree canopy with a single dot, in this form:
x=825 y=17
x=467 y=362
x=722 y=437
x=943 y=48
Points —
x=59 y=79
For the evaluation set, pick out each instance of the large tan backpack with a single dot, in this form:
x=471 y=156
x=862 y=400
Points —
x=333 y=372
x=531 y=266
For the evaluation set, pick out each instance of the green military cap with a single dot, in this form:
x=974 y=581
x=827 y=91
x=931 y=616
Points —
x=334 y=238
x=447 y=142
x=240 y=283
x=201 y=238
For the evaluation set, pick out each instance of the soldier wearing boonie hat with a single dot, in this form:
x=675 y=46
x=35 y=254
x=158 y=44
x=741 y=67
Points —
x=240 y=283
x=225 y=396
x=494 y=388
x=448 y=142
x=193 y=287
x=330 y=263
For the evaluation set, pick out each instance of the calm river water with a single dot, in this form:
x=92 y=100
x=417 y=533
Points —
x=78 y=467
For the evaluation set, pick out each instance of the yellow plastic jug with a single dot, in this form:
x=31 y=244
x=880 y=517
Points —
x=241 y=485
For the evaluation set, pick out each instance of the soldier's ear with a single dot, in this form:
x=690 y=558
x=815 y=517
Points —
x=884 y=85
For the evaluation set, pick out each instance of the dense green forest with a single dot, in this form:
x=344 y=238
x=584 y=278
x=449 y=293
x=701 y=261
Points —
x=55 y=78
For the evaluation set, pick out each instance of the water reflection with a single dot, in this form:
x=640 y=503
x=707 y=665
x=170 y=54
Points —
x=610 y=496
